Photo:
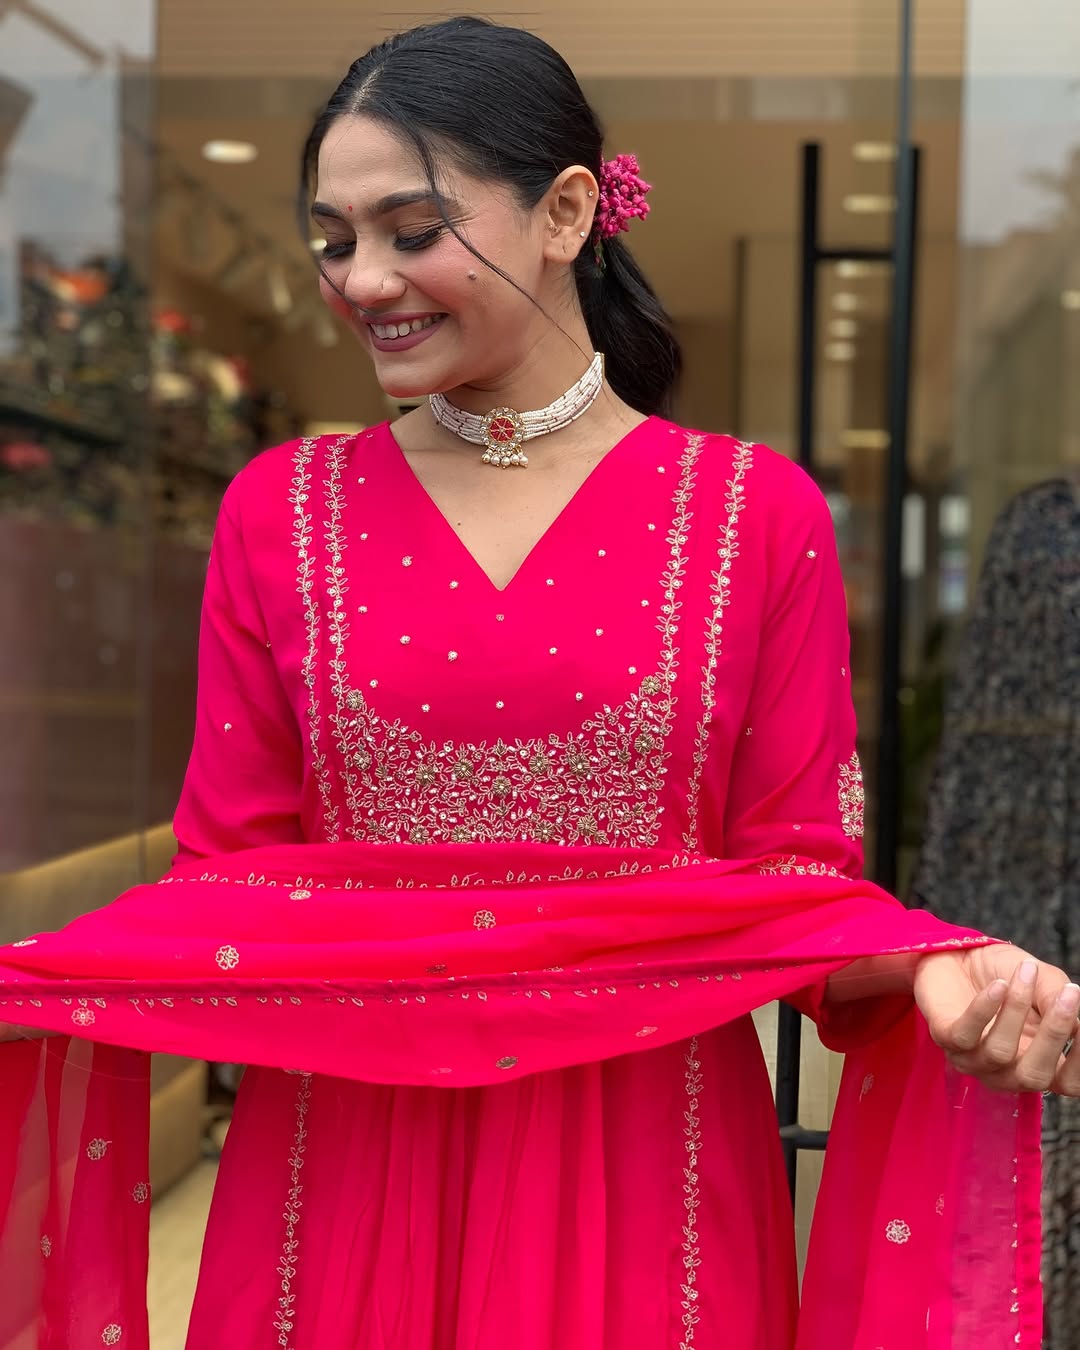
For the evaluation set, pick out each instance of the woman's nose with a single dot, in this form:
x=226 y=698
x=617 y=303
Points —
x=371 y=284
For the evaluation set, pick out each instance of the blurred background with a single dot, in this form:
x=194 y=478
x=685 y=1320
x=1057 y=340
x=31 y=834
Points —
x=160 y=324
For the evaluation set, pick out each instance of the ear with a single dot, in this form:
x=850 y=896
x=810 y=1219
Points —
x=568 y=208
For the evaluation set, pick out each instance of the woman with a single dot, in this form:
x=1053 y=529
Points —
x=530 y=653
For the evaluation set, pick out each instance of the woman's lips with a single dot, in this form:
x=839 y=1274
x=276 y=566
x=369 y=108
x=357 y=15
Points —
x=407 y=330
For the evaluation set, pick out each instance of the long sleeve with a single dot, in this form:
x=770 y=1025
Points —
x=795 y=794
x=795 y=790
x=243 y=782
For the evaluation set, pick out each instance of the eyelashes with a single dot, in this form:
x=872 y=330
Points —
x=405 y=243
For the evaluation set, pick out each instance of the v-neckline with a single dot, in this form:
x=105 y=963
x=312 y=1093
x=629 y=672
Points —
x=553 y=526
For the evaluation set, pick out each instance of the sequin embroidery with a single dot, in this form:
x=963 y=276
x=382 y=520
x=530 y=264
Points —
x=601 y=784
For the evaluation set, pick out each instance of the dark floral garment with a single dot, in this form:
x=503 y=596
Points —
x=1002 y=845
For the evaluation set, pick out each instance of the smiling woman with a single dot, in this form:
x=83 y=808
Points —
x=502 y=167
x=608 y=689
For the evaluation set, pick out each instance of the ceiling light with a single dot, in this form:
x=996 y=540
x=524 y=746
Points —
x=840 y=351
x=867 y=438
x=874 y=152
x=853 y=271
x=230 y=152
x=843 y=328
x=1070 y=299
x=845 y=302
x=869 y=203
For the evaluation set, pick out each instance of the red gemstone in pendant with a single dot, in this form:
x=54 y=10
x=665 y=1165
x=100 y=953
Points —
x=502 y=430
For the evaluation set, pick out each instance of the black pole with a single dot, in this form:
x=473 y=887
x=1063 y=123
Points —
x=738 y=328
x=890 y=748
x=788 y=1064
x=811 y=186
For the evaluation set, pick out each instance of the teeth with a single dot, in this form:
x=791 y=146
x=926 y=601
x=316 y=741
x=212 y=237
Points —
x=400 y=330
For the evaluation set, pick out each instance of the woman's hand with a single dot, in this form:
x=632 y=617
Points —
x=1002 y=1017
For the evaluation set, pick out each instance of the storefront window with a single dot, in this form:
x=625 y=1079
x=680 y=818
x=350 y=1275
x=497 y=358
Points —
x=74 y=441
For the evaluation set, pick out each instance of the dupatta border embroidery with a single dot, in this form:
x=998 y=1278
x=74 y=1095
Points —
x=852 y=797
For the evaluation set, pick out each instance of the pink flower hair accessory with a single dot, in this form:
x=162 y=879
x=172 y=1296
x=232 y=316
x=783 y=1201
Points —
x=622 y=196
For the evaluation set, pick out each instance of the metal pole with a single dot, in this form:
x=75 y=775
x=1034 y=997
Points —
x=811 y=187
x=890 y=768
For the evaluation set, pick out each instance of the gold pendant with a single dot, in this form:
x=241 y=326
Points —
x=504 y=432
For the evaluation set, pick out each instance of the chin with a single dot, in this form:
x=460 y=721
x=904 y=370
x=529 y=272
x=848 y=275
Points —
x=400 y=385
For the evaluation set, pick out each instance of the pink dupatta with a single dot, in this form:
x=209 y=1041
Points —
x=453 y=966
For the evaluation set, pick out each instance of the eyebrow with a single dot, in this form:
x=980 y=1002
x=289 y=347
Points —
x=393 y=202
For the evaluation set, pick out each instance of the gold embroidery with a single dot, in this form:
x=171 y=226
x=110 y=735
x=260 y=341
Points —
x=301 y=489
x=228 y=958
x=46 y=1245
x=112 y=1333
x=285 y=1320
x=691 y=1197
x=852 y=798
x=792 y=867
x=599 y=785
x=97 y=1148
x=727 y=551
x=898 y=1231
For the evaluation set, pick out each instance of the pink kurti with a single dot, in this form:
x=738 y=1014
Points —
x=668 y=668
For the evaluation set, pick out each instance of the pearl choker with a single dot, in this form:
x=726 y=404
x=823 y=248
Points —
x=503 y=431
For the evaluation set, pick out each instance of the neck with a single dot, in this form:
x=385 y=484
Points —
x=544 y=373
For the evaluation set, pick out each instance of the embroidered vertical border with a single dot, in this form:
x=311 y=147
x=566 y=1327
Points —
x=690 y=1304
x=719 y=599
x=337 y=587
x=671 y=581
x=305 y=585
x=285 y=1320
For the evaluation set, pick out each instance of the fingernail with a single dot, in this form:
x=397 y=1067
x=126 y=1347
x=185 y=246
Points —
x=997 y=991
x=1069 y=999
x=1028 y=971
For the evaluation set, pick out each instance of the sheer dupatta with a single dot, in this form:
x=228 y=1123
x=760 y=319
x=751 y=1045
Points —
x=454 y=966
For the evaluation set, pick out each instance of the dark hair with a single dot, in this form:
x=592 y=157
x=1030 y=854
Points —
x=507 y=108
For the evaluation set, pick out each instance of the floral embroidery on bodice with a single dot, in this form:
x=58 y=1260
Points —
x=599 y=778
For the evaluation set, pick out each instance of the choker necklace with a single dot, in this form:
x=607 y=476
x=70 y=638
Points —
x=503 y=431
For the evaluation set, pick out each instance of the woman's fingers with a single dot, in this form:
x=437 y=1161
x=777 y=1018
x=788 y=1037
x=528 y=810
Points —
x=1001 y=1044
x=1060 y=1024
x=964 y=1035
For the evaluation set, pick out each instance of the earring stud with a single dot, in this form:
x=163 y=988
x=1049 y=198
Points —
x=583 y=234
